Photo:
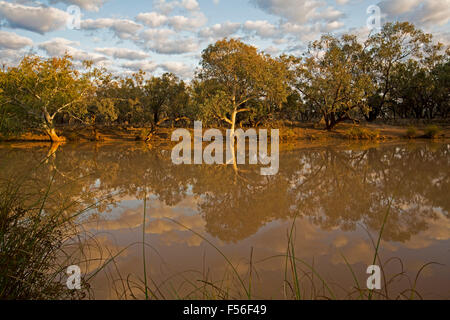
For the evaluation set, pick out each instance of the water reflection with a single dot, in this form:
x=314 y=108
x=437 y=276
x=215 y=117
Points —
x=335 y=192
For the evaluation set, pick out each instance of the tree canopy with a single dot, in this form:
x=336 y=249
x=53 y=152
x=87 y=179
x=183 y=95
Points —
x=399 y=72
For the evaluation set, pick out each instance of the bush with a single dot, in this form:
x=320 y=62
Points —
x=358 y=133
x=143 y=134
x=432 y=132
x=288 y=134
x=411 y=133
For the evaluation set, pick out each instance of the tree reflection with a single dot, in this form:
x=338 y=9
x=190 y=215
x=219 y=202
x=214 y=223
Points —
x=334 y=187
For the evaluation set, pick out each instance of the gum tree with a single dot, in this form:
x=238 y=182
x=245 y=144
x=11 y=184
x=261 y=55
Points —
x=331 y=80
x=239 y=79
x=394 y=44
x=38 y=90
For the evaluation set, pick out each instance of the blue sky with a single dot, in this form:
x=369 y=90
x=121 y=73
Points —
x=169 y=35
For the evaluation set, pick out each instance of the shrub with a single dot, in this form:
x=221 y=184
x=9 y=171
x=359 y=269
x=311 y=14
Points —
x=432 y=131
x=358 y=133
x=143 y=134
x=411 y=133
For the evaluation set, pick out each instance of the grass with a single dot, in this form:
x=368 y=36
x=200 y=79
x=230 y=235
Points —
x=33 y=261
x=359 y=133
x=38 y=242
x=411 y=132
x=143 y=134
x=302 y=280
x=32 y=244
x=432 y=131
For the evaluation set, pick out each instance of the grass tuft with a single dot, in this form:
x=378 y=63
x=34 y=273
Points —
x=358 y=133
x=432 y=132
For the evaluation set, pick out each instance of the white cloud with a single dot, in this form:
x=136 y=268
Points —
x=420 y=12
x=90 y=5
x=11 y=40
x=58 y=47
x=11 y=57
x=152 y=19
x=179 y=68
x=37 y=19
x=299 y=11
x=178 y=22
x=122 y=28
x=146 y=66
x=161 y=41
x=272 y=50
x=168 y=6
x=123 y=53
x=190 y=5
x=261 y=28
x=220 y=30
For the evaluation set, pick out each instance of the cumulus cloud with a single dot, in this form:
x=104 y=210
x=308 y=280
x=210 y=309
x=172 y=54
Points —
x=58 y=47
x=220 y=30
x=152 y=19
x=163 y=41
x=11 y=57
x=90 y=5
x=11 y=40
x=188 y=23
x=262 y=28
x=421 y=12
x=38 y=19
x=167 y=7
x=146 y=66
x=178 y=22
x=299 y=11
x=123 y=53
x=122 y=28
x=178 y=68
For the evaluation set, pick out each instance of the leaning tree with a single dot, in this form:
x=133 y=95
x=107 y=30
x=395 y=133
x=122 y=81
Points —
x=38 y=90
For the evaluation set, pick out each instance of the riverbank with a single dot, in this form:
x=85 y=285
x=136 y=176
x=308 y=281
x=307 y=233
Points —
x=288 y=133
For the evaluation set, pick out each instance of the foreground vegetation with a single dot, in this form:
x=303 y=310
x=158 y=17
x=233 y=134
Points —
x=398 y=73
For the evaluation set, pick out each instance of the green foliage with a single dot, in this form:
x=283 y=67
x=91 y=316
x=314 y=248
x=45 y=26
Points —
x=411 y=133
x=38 y=90
x=31 y=241
x=432 y=131
x=237 y=78
x=332 y=79
x=396 y=73
x=358 y=133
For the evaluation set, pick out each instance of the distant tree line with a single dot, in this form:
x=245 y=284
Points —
x=399 y=72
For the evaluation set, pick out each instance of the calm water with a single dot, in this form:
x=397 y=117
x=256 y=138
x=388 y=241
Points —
x=338 y=194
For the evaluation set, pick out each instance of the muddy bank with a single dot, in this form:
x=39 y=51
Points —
x=303 y=132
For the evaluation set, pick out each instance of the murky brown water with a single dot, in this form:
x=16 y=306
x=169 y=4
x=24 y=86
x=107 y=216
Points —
x=339 y=194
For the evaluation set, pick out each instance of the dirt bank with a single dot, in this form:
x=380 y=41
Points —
x=346 y=131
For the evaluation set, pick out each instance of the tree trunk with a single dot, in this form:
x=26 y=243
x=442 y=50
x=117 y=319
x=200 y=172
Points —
x=156 y=117
x=51 y=132
x=50 y=129
x=233 y=120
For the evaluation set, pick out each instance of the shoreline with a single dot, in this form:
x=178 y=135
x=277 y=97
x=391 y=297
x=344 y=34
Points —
x=303 y=132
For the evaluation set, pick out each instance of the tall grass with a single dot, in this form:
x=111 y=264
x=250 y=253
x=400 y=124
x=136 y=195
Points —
x=32 y=258
x=38 y=241
x=299 y=276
